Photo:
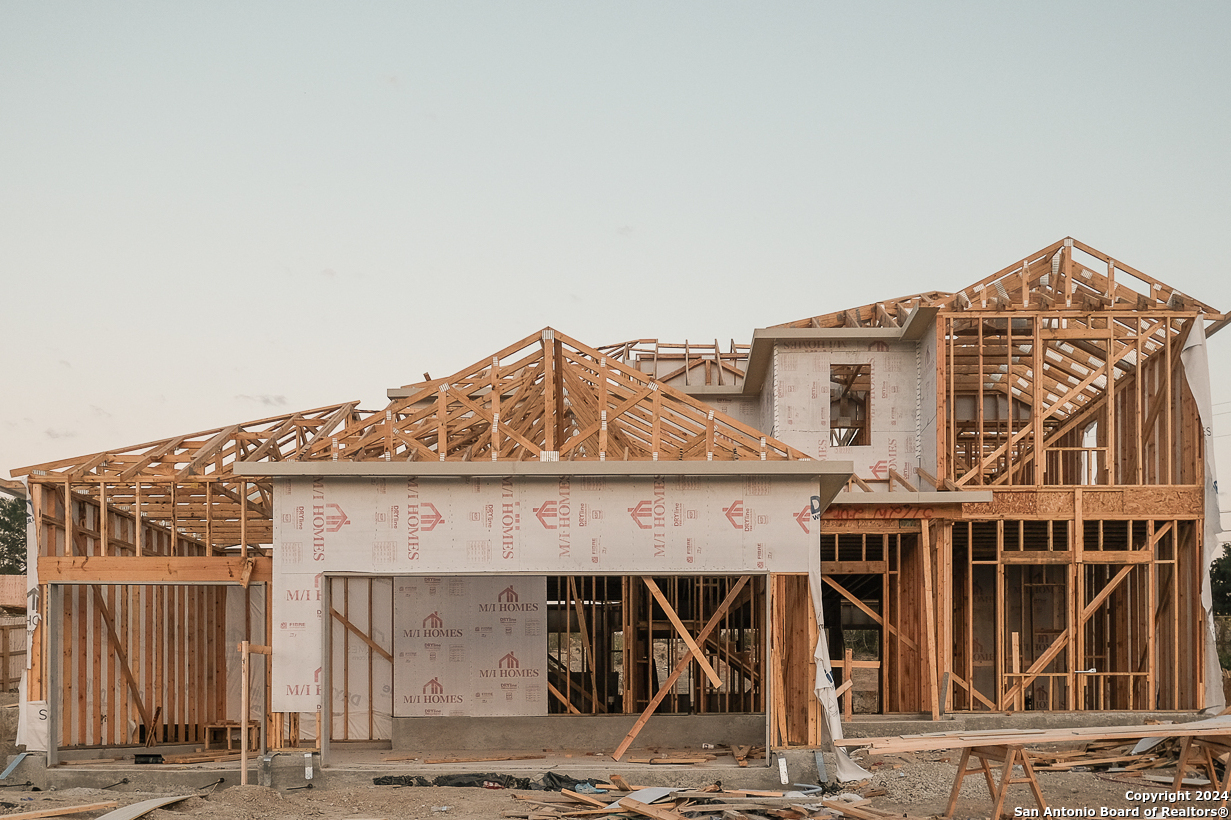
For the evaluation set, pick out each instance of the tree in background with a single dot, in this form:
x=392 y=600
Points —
x=12 y=536
x=1220 y=581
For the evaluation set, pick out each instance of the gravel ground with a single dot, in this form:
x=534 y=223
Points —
x=919 y=789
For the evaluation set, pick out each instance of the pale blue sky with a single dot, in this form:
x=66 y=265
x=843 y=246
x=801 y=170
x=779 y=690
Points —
x=211 y=212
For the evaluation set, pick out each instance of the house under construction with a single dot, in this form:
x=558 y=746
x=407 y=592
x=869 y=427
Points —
x=1003 y=489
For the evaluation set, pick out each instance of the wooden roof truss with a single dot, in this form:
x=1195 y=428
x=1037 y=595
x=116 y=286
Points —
x=546 y=397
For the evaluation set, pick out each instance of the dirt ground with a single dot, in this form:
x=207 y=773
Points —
x=916 y=785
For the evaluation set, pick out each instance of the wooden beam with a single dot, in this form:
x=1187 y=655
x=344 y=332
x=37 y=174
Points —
x=714 y=677
x=207 y=451
x=1063 y=638
x=929 y=619
x=709 y=627
x=377 y=648
x=153 y=569
x=845 y=593
x=60 y=811
x=580 y=609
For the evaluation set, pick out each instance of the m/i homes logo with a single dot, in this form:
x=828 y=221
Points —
x=433 y=627
x=507 y=601
x=508 y=666
x=433 y=692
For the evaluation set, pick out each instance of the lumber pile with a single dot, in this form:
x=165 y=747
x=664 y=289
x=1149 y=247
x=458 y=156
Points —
x=1032 y=737
x=619 y=799
x=1107 y=754
x=657 y=757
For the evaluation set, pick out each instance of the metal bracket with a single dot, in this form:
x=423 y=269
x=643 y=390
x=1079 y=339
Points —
x=16 y=762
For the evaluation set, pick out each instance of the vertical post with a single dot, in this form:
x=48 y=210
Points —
x=104 y=518
x=243 y=518
x=244 y=707
x=137 y=535
x=325 y=707
x=265 y=664
x=54 y=627
x=929 y=620
x=767 y=675
x=4 y=657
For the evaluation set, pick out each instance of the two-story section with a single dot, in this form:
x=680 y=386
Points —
x=1026 y=528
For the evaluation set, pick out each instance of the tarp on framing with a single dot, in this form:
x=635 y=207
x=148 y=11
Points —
x=1197 y=372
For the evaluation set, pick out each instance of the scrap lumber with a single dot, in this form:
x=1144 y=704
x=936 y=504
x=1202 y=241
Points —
x=952 y=740
x=135 y=810
x=59 y=811
x=220 y=756
x=482 y=759
x=649 y=811
x=584 y=798
x=731 y=804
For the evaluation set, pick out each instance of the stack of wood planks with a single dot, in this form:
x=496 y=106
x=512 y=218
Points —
x=1107 y=754
x=622 y=799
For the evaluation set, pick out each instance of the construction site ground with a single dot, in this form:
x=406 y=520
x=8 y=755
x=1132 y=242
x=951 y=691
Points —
x=909 y=784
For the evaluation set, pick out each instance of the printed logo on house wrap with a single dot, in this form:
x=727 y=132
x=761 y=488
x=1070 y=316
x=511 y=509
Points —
x=432 y=692
x=507 y=600
x=803 y=517
x=301 y=594
x=643 y=514
x=509 y=666
x=291 y=552
x=742 y=517
x=412 y=519
x=433 y=626
x=510 y=519
x=587 y=513
x=556 y=514
x=306 y=688
x=484 y=516
x=546 y=514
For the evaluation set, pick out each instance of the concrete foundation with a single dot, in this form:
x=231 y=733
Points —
x=589 y=732
x=357 y=763
x=891 y=725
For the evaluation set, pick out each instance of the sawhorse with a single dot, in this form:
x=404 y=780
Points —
x=1010 y=756
x=1207 y=747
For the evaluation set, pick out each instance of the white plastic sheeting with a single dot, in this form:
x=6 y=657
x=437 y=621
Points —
x=824 y=688
x=360 y=687
x=245 y=620
x=1197 y=372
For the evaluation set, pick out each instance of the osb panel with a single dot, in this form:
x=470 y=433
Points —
x=886 y=512
x=1101 y=503
x=1164 y=502
x=1096 y=502
x=1023 y=504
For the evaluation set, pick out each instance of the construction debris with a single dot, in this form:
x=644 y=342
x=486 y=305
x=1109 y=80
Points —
x=60 y=811
x=664 y=803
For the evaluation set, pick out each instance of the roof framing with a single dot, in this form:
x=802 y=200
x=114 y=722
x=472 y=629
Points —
x=544 y=398
x=548 y=397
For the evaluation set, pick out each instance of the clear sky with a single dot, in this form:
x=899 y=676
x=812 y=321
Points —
x=212 y=212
